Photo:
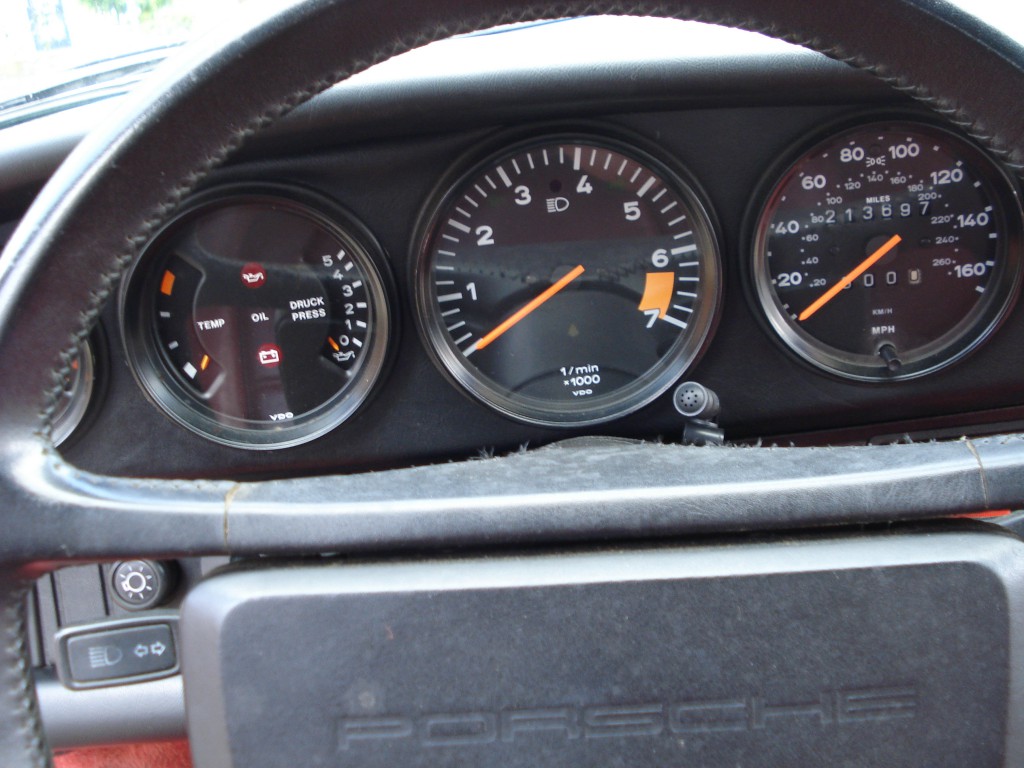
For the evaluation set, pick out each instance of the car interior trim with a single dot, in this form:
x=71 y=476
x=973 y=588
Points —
x=411 y=665
x=52 y=512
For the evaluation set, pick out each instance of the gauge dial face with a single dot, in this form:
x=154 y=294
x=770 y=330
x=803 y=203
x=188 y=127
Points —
x=888 y=251
x=76 y=390
x=258 y=320
x=568 y=280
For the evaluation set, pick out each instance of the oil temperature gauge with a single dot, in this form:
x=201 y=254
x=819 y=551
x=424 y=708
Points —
x=259 y=318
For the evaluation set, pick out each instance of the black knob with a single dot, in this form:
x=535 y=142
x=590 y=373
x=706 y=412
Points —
x=139 y=584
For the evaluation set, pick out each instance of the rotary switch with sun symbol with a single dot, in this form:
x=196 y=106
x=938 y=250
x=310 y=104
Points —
x=140 y=584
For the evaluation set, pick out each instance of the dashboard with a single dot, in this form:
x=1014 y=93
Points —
x=294 y=320
x=715 y=131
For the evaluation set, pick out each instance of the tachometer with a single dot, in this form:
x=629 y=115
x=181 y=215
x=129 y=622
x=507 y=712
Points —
x=888 y=251
x=258 y=318
x=568 y=279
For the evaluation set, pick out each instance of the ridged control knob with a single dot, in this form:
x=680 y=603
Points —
x=139 y=584
x=695 y=401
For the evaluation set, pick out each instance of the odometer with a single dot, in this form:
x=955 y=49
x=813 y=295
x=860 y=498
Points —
x=567 y=280
x=888 y=251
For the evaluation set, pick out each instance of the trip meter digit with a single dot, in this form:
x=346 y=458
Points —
x=567 y=279
x=258 y=319
x=888 y=251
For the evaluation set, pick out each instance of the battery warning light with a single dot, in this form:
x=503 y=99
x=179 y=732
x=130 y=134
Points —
x=269 y=355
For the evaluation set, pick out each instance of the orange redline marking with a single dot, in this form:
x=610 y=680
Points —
x=167 y=284
x=204 y=362
x=861 y=268
x=657 y=292
x=528 y=308
x=334 y=344
x=984 y=515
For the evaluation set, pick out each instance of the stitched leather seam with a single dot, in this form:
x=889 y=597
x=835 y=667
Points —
x=19 y=687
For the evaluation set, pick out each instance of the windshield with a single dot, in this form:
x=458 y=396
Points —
x=44 y=43
x=49 y=48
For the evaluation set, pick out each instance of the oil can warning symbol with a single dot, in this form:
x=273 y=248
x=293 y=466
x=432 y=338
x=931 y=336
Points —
x=253 y=275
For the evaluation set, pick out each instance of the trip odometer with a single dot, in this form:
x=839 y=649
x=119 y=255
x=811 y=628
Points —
x=567 y=280
x=888 y=251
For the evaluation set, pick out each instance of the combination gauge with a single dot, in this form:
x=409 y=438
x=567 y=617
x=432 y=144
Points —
x=258 y=317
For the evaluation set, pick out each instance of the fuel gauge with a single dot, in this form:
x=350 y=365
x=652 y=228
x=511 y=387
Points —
x=76 y=393
x=258 y=319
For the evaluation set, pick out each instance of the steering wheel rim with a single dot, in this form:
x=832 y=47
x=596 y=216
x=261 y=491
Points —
x=58 y=270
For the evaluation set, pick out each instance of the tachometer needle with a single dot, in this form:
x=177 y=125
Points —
x=859 y=270
x=525 y=310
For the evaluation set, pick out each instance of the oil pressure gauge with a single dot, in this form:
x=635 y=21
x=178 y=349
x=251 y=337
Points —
x=888 y=251
x=258 y=319
x=567 y=280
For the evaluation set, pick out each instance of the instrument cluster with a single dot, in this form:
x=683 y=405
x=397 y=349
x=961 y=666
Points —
x=570 y=278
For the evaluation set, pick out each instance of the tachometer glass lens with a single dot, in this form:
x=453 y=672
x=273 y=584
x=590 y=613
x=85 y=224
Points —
x=888 y=251
x=257 y=320
x=568 y=280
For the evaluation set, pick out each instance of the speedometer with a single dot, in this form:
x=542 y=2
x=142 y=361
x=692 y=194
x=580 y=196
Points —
x=888 y=251
x=568 y=279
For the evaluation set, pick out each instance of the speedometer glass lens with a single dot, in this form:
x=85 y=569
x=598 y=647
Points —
x=568 y=280
x=258 y=320
x=888 y=251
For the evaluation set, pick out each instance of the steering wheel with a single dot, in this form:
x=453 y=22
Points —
x=126 y=179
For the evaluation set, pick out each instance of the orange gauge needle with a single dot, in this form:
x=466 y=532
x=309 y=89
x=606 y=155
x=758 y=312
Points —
x=859 y=270
x=525 y=310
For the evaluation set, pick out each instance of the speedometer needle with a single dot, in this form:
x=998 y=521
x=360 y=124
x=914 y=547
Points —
x=859 y=270
x=526 y=309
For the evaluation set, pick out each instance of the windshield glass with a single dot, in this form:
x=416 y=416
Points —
x=48 y=47
x=44 y=43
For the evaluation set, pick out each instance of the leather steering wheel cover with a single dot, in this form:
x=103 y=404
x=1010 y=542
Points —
x=125 y=179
